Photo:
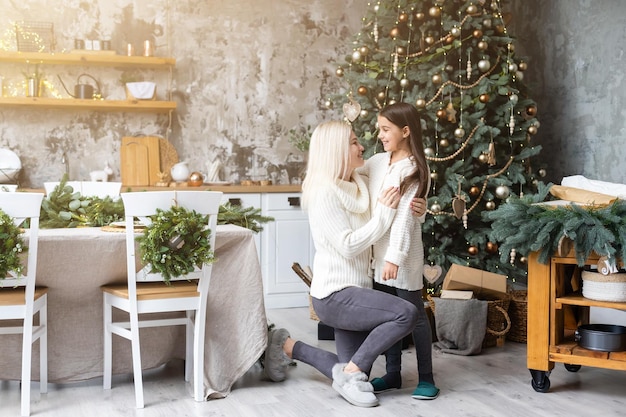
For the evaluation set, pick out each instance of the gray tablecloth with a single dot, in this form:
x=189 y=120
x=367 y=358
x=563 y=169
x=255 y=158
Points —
x=74 y=263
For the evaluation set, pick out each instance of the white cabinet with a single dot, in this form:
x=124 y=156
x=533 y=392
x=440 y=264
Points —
x=281 y=243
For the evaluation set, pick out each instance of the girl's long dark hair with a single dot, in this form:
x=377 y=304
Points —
x=405 y=114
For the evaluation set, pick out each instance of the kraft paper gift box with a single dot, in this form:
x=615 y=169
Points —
x=485 y=285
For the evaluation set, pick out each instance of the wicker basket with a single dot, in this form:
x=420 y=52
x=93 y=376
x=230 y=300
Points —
x=306 y=278
x=498 y=321
x=518 y=312
x=611 y=287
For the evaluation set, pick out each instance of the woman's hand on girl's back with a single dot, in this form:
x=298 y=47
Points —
x=390 y=197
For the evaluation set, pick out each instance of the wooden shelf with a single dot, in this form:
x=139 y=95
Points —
x=86 y=59
x=570 y=353
x=151 y=106
x=579 y=300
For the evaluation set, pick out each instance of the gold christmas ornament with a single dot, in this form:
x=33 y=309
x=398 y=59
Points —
x=490 y=205
x=455 y=31
x=394 y=32
x=195 y=179
x=434 y=12
x=492 y=247
x=403 y=17
x=442 y=114
x=381 y=95
x=437 y=79
x=339 y=72
x=364 y=50
x=444 y=143
x=484 y=98
x=362 y=90
x=472 y=250
x=523 y=66
x=532 y=130
x=420 y=16
x=420 y=103
x=429 y=40
x=477 y=33
x=531 y=110
x=474 y=191
x=434 y=176
x=482 y=45
x=472 y=9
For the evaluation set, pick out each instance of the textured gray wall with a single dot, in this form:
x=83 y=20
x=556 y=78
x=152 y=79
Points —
x=576 y=56
x=248 y=71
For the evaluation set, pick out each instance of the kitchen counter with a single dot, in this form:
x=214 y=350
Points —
x=230 y=189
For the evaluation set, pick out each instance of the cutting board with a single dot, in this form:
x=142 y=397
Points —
x=140 y=160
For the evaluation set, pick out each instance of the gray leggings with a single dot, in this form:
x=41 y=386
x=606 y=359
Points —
x=366 y=322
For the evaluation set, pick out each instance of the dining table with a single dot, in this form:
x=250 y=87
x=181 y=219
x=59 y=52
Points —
x=73 y=263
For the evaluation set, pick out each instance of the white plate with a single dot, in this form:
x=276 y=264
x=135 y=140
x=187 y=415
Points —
x=218 y=183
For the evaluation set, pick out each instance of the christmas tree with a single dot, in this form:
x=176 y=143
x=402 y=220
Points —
x=455 y=61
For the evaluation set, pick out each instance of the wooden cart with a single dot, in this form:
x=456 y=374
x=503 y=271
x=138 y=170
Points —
x=552 y=302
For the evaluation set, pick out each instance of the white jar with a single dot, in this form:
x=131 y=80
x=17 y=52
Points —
x=180 y=172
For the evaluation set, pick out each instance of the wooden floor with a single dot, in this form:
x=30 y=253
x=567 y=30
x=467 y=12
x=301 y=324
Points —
x=495 y=383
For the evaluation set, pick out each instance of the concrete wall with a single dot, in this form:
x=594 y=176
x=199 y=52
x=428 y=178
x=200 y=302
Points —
x=576 y=56
x=248 y=71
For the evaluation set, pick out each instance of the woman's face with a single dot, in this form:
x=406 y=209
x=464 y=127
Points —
x=355 y=154
x=392 y=137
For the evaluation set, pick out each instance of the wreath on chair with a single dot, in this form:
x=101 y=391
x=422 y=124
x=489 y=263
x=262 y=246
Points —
x=11 y=246
x=176 y=242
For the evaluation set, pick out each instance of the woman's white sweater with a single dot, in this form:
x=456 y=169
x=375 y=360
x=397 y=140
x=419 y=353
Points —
x=402 y=243
x=343 y=233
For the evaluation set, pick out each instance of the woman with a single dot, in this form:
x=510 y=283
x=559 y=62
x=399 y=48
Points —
x=366 y=322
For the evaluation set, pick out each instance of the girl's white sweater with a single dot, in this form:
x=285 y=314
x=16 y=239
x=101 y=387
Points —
x=402 y=243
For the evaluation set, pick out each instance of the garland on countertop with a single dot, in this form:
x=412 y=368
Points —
x=11 y=247
x=525 y=227
x=176 y=242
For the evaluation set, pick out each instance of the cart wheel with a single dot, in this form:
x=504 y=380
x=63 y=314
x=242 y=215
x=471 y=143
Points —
x=572 y=368
x=540 y=381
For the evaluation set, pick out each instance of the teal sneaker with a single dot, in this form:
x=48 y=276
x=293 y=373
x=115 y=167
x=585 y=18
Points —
x=380 y=385
x=425 y=391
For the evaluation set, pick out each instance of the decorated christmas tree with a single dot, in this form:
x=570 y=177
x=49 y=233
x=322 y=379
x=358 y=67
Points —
x=455 y=61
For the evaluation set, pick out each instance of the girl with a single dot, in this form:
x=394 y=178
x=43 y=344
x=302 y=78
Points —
x=399 y=254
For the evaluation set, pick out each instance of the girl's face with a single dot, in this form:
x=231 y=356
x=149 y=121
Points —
x=355 y=159
x=392 y=136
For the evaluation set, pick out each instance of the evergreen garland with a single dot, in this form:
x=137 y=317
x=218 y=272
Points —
x=11 y=246
x=522 y=225
x=66 y=208
x=176 y=242
x=248 y=217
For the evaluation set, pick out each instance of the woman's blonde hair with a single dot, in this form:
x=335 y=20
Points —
x=328 y=158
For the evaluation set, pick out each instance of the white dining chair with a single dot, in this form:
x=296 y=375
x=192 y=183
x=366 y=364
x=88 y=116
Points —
x=146 y=292
x=98 y=189
x=21 y=300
